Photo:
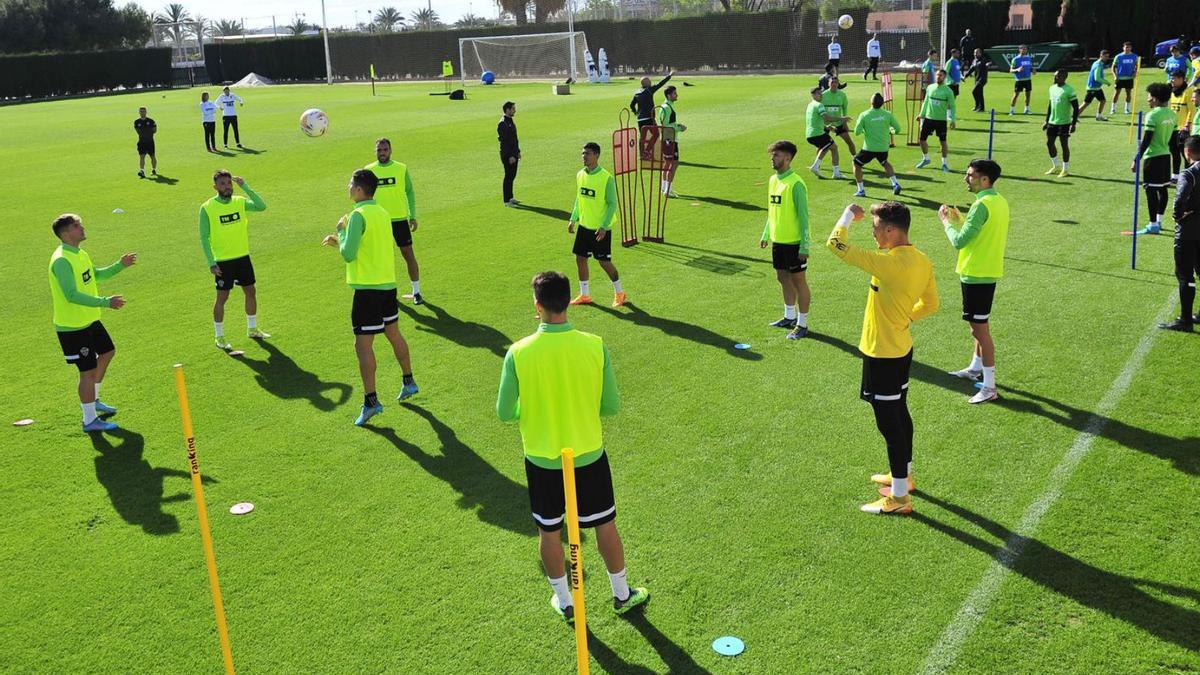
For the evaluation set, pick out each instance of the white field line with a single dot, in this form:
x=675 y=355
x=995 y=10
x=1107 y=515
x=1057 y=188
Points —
x=944 y=653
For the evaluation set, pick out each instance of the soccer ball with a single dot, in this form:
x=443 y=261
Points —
x=314 y=122
x=845 y=21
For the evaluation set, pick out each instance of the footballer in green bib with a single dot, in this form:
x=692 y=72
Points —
x=225 y=240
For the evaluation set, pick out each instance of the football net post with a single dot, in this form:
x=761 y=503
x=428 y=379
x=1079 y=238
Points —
x=539 y=55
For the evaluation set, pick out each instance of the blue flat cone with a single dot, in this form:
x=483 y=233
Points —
x=728 y=646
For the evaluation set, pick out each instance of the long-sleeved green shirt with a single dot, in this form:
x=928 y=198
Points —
x=610 y=202
x=508 y=401
x=254 y=204
x=960 y=237
x=349 y=239
x=65 y=275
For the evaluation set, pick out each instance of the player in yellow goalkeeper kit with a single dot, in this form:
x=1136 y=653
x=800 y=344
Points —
x=902 y=290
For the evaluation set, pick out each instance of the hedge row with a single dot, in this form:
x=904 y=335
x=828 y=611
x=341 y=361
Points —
x=43 y=75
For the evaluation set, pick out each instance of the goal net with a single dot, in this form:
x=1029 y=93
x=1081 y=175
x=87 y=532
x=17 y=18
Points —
x=541 y=55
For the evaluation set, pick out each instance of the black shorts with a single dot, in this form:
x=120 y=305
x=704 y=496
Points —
x=1156 y=171
x=373 y=309
x=1022 y=85
x=834 y=62
x=885 y=379
x=820 y=142
x=1058 y=131
x=954 y=88
x=586 y=245
x=977 y=301
x=402 y=233
x=1093 y=95
x=930 y=127
x=1125 y=84
x=238 y=271
x=839 y=130
x=145 y=147
x=787 y=257
x=864 y=157
x=593 y=494
x=81 y=347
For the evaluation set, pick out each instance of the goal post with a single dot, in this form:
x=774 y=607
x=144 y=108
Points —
x=537 y=55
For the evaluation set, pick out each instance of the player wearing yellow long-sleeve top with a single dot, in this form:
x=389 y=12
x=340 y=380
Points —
x=902 y=290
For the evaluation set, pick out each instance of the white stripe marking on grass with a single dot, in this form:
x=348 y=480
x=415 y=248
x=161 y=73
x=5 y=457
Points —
x=946 y=650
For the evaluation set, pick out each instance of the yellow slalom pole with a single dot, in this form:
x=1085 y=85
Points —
x=197 y=485
x=1133 y=115
x=576 y=572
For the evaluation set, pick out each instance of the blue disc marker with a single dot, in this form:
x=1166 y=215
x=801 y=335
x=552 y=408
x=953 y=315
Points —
x=728 y=645
x=741 y=345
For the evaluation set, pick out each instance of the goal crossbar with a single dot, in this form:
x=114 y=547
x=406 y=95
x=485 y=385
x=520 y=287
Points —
x=570 y=36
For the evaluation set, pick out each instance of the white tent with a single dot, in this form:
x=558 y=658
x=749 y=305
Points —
x=254 y=80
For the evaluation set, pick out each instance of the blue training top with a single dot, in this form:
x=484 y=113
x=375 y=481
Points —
x=1025 y=65
x=1125 y=65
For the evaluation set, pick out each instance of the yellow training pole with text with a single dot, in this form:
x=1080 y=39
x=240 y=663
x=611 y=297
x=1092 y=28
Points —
x=575 y=574
x=209 y=557
x=1133 y=115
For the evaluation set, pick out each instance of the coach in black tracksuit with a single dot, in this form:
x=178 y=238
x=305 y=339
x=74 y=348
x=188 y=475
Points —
x=510 y=149
x=642 y=105
x=979 y=68
x=1187 y=236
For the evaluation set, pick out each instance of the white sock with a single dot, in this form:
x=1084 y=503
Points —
x=89 y=412
x=989 y=377
x=1126 y=108
x=789 y=311
x=220 y=328
x=802 y=319
x=1112 y=109
x=620 y=587
x=895 y=181
x=1098 y=115
x=816 y=164
x=1026 y=108
x=1011 y=110
x=97 y=391
x=251 y=321
x=583 y=288
x=416 y=287
x=860 y=184
x=925 y=156
x=617 y=287
x=1065 y=164
x=976 y=363
x=562 y=590
x=944 y=161
x=1054 y=162
x=837 y=171
x=666 y=186
x=899 y=486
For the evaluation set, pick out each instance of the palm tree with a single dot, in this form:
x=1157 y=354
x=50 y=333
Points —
x=387 y=19
x=518 y=8
x=226 y=28
x=173 y=14
x=298 y=26
x=201 y=29
x=544 y=8
x=471 y=21
x=426 y=19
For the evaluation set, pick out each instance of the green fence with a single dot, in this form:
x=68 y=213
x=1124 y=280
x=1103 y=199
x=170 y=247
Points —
x=33 y=76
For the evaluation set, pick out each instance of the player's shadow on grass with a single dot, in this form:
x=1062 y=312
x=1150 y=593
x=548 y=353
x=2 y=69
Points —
x=495 y=498
x=221 y=153
x=1094 y=272
x=728 y=203
x=679 y=329
x=165 y=180
x=1183 y=453
x=1119 y=596
x=250 y=151
x=724 y=254
x=281 y=376
x=135 y=487
x=556 y=214
x=674 y=656
x=717 y=264
x=466 y=333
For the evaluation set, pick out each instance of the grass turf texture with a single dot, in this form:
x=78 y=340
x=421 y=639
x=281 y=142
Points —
x=408 y=547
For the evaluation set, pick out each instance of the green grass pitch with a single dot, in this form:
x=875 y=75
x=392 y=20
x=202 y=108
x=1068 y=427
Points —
x=408 y=547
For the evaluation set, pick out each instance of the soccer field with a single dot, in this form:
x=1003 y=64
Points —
x=1055 y=529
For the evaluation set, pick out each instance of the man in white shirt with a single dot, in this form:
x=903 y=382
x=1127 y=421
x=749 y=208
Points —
x=228 y=103
x=835 y=56
x=208 y=117
x=873 y=54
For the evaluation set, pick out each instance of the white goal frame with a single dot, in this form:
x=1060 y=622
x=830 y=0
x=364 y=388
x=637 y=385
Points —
x=570 y=35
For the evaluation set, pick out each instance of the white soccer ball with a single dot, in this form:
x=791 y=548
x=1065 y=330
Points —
x=314 y=122
x=845 y=22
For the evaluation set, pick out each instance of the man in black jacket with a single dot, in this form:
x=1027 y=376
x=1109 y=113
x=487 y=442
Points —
x=1187 y=236
x=510 y=150
x=966 y=45
x=979 y=69
x=642 y=105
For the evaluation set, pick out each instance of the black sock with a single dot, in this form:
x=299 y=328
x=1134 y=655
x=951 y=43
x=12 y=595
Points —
x=408 y=378
x=1187 y=297
x=371 y=400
